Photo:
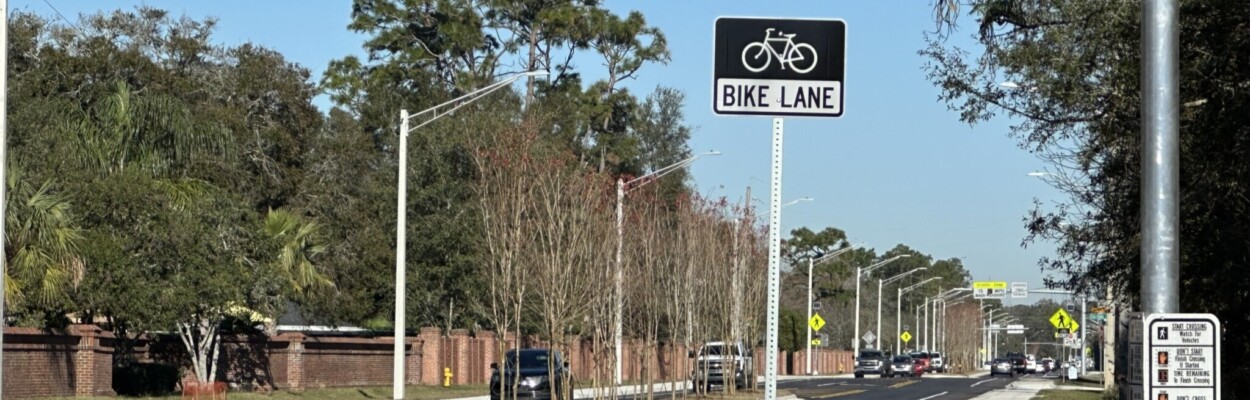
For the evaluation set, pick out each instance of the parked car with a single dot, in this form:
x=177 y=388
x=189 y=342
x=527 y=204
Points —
x=937 y=363
x=716 y=362
x=1031 y=366
x=871 y=361
x=904 y=366
x=531 y=374
x=922 y=358
x=1001 y=366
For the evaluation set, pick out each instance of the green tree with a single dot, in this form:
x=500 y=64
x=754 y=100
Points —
x=1076 y=67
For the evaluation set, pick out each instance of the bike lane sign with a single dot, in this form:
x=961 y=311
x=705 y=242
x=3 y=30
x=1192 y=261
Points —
x=779 y=67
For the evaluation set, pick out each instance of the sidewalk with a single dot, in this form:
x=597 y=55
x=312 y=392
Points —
x=1018 y=390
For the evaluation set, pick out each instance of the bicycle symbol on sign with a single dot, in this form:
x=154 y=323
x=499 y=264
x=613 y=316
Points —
x=795 y=55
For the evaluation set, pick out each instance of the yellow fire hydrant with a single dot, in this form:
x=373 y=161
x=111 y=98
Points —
x=446 y=377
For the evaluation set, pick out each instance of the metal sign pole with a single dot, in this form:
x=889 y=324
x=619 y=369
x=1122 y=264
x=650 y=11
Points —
x=1160 y=158
x=774 y=264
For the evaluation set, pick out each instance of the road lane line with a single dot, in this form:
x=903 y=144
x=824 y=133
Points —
x=901 y=384
x=987 y=380
x=936 y=395
x=839 y=394
x=831 y=384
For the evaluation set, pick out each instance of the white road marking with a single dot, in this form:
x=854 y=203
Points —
x=831 y=384
x=936 y=395
x=987 y=380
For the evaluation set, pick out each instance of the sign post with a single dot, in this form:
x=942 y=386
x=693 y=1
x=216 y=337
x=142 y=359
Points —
x=1182 y=357
x=777 y=68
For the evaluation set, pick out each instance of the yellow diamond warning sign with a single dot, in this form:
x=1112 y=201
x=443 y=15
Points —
x=816 y=322
x=1061 y=320
x=906 y=336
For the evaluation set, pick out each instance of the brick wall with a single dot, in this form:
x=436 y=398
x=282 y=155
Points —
x=79 y=361
x=74 y=362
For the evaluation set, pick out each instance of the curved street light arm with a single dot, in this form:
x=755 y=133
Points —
x=902 y=275
x=434 y=112
x=916 y=286
x=629 y=185
x=870 y=268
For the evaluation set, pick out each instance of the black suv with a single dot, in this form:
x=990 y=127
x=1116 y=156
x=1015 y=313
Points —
x=527 y=372
x=873 y=362
x=1019 y=362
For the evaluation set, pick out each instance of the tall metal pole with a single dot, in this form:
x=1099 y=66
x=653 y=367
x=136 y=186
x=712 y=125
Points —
x=1081 y=351
x=879 y=314
x=4 y=140
x=1160 y=224
x=898 y=322
x=774 y=263
x=855 y=336
x=808 y=355
x=401 y=273
x=617 y=298
x=928 y=332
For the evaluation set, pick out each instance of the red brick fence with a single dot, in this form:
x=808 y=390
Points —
x=79 y=360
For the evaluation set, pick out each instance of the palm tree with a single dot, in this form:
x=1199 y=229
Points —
x=298 y=246
x=41 y=244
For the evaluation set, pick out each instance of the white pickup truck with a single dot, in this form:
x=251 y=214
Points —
x=722 y=363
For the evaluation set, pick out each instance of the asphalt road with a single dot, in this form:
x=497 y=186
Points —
x=925 y=388
x=929 y=387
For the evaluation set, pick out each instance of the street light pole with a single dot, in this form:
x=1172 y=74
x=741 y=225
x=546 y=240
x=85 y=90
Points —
x=859 y=272
x=401 y=256
x=879 y=284
x=898 y=305
x=618 y=295
x=811 y=262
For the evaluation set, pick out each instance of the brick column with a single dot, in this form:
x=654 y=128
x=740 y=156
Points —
x=84 y=359
x=490 y=351
x=294 y=360
x=460 y=363
x=431 y=371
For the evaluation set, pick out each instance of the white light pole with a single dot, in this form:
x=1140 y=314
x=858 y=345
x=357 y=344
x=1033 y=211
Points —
x=859 y=273
x=934 y=330
x=887 y=281
x=898 y=304
x=811 y=262
x=623 y=187
x=401 y=274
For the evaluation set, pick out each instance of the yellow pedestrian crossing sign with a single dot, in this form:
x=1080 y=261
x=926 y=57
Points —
x=816 y=322
x=1061 y=320
x=906 y=336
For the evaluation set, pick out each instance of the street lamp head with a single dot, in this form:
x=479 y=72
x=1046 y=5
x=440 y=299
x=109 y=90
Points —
x=711 y=153
x=535 y=73
x=1038 y=174
x=1010 y=85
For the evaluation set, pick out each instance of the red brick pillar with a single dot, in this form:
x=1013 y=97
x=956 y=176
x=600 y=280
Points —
x=431 y=371
x=490 y=351
x=460 y=363
x=84 y=373
x=294 y=360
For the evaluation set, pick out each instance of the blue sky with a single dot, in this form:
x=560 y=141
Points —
x=897 y=168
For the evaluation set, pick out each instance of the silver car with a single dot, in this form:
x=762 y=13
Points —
x=902 y=366
x=1001 y=366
